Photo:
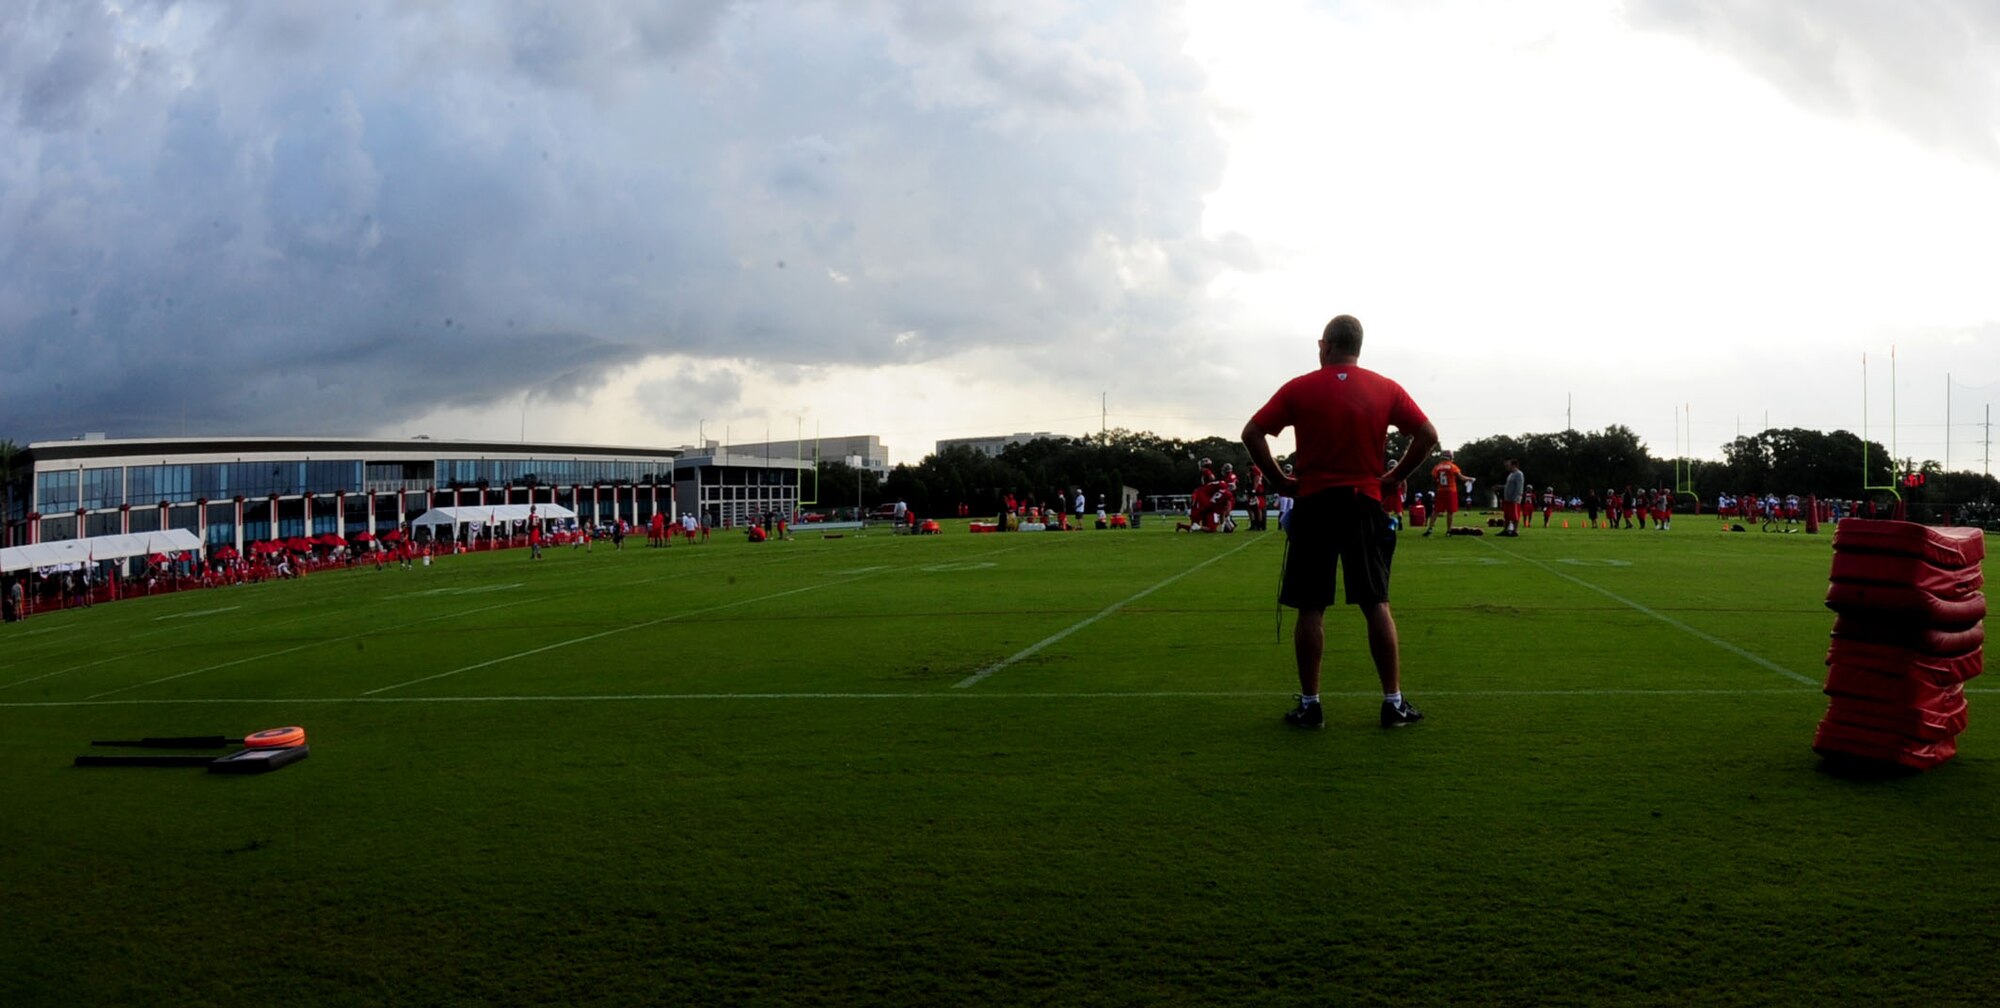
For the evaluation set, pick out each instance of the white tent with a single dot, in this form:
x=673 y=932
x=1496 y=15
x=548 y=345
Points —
x=111 y=547
x=491 y=514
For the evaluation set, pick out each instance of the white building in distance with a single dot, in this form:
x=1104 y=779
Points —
x=861 y=451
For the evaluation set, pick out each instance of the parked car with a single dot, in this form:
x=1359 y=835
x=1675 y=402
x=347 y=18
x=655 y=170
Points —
x=882 y=512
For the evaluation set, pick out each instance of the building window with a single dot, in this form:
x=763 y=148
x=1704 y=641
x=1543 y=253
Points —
x=222 y=524
x=153 y=484
x=55 y=492
x=342 y=476
x=103 y=488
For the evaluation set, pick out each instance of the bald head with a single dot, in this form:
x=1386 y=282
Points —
x=1342 y=338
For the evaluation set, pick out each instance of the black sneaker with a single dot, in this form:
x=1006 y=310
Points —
x=1397 y=713
x=1307 y=715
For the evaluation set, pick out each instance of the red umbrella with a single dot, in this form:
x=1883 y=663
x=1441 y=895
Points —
x=329 y=539
x=225 y=553
x=393 y=535
x=298 y=544
x=157 y=558
x=362 y=537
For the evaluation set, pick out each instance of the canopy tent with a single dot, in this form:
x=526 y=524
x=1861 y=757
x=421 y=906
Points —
x=111 y=547
x=491 y=514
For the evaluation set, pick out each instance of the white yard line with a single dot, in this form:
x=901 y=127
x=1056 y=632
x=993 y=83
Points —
x=308 y=644
x=197 y=612
x=932 y=695
x=591 y=637
x=1664 y=618
x=649 y=623
x=980 y=676
x=133 y=654
x=72 y=668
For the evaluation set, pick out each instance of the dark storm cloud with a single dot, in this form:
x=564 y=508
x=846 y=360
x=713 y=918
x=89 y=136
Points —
x=1921 y=67
x=274 y=217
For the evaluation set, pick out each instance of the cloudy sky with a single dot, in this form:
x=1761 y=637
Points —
x=634 y=223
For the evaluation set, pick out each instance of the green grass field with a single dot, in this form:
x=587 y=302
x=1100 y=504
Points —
x=736 y=774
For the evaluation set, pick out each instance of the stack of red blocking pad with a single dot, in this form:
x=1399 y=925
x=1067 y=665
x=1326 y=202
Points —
x=1909 y=631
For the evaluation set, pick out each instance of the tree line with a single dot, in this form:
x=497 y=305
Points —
x=1780 y=460
x=1788 y=460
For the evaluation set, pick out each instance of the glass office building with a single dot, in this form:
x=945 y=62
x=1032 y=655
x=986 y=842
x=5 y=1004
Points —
x=238 y=490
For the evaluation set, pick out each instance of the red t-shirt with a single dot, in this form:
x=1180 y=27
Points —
x=1343 y=413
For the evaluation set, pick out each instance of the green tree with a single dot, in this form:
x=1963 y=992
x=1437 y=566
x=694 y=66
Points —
x=9 y=491
x=1952 y=498
x=842 y=485
x=1484 y=460
x=1795 y=460
x=1574 y=462
x=1615 y=457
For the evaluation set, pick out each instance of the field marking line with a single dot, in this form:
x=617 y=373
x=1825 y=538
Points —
x=72 y=668
x=927 y=695
x=778 y=558
x=1663 y=617
x=586 y=638
x=981 y=676
x=133 y=654
x=197 y=612
x=649 y=623
x=175 y=628
x=309 y=644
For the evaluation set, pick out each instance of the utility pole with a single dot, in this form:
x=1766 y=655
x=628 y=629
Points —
x=1989 y=439
x=1569 y=411
x=1103 y=412
x=1947 y=421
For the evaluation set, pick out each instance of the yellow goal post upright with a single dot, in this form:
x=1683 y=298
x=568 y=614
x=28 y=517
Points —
x=1865 y=485
x=1684 y=456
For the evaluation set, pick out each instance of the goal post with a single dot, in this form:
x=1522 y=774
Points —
x=1865 y=485
x=1684 y=458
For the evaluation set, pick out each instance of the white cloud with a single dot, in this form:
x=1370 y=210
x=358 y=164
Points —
x=435 y=206
x=1537 y=204
x=925 y=220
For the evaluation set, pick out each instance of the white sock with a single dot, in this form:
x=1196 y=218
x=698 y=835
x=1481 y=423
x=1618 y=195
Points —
x=1393 y=698
x=1306 y=700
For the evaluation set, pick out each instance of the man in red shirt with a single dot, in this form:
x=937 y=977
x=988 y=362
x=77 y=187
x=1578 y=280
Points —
x=1259 y=514
x=1342 y=413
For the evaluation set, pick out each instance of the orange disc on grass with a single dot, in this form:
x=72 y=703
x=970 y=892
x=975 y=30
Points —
x=272 y=738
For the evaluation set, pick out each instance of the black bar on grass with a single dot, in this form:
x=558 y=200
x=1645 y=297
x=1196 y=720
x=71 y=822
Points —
x=172 y=742
x=145 y=761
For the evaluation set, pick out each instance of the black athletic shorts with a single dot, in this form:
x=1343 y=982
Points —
x=1338 y=527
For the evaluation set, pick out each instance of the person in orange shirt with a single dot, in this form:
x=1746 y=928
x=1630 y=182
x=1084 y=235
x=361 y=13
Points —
x=1445 y=477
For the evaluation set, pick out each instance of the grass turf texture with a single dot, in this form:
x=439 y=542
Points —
x=737 y=774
